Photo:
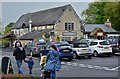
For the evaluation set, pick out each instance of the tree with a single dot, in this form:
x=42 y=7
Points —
x=8 y=28
x=95 y=13
x=99 y=12
x=1 y=32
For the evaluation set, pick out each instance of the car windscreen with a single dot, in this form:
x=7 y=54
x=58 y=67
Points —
x=42 y=43
x=80 y=45
x=64 y=46
x=104 y=43
x=113 y=41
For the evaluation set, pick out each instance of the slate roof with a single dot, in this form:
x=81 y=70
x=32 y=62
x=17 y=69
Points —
x=34 y=34
x=41 y=18
x=91 y=27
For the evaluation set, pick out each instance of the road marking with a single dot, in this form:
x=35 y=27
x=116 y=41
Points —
x=82 y=65
x=88 y=66
x=116 y=68
x=75 y=64
x=68 y=63
x=63 y=63
x=97 y=67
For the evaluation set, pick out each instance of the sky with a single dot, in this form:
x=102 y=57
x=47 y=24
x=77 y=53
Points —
x=11 y=11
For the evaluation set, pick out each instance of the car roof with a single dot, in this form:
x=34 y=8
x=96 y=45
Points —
x=79 y=43
x=98 y=40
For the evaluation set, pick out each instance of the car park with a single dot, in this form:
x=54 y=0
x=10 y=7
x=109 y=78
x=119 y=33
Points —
x=115 y=43
x=100 y=47
x=81 y=50
x=64 y=50
x=33 y=48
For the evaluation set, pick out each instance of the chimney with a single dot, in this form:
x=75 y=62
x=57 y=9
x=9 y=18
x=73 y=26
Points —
x=30 y=26
x=108 y=23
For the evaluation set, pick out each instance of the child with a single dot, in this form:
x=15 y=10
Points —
x=30 y=64
x=42 y=63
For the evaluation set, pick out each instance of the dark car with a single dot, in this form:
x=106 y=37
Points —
x=64 y=50
x=33 y=48
x=115 y=43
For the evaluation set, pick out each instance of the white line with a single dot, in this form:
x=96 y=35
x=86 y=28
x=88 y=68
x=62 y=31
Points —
x=68 y=63
x=63 y=63
x=75 y=64
x=97 y=67
x=115 y=68
x=89 y=66
x=82 y=65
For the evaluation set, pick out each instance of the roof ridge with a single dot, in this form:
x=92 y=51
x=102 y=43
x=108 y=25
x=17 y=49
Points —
x=50 y=9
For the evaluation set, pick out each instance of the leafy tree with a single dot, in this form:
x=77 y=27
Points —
x=99 y=12
x=8 y=27
x=95 y=13
x=5 y=41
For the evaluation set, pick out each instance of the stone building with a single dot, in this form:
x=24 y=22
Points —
x=59 y=22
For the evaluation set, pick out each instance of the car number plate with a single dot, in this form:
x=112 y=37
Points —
x=65 y=50
x=106 y=48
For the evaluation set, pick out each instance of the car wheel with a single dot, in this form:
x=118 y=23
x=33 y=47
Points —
x=95 y=54
x=75 y=55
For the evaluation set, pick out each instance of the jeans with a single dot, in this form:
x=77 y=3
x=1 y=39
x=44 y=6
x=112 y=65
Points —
x=30 y=71
x=19 y=63
x=53 y=74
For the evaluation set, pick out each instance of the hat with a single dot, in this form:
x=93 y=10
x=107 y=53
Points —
x=53 y=46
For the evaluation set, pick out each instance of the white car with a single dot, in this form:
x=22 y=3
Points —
x=99 y=47
x=81 y=50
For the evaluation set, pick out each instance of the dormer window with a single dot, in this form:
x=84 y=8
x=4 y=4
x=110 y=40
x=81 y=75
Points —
x=23 y=25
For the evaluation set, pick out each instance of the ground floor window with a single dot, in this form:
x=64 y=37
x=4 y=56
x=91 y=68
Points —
x=66 y=38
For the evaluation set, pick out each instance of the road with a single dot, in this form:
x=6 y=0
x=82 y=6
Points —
x=95 y=67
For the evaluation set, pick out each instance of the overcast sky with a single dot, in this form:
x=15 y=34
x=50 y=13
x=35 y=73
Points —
x=11 y=11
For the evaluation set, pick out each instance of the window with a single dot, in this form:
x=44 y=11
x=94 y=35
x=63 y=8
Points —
x=77 y=45
x=104 y=43
x=66 y=38
x=93 y=43
x=69 y=26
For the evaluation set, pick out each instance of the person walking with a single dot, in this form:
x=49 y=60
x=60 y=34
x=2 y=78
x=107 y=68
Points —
x=52 y=62
x=30 y=64
x=19 y=54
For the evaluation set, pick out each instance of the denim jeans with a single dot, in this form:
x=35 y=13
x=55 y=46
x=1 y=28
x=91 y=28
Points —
x=53 y=74
x=19 y=64
x=30 y=71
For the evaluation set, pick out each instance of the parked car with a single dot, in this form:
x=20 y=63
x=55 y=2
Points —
x=81 y=50
x=33 y=48
x=64 y=50
x=87 y=41
x=100 y=47
x=115 y=43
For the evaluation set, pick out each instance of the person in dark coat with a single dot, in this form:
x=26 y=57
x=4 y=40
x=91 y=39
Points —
x=20 y=55
x=30 y=64
x=53 y=63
